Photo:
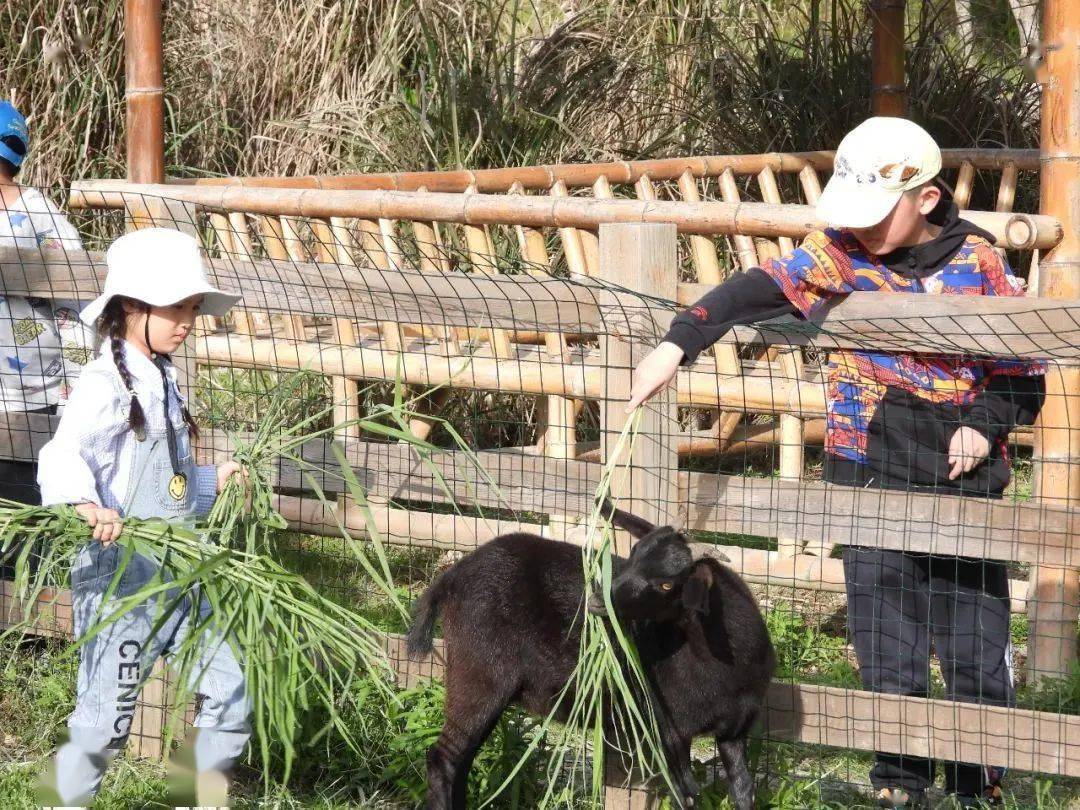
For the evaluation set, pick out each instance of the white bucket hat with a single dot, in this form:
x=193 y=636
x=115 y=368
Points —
x=159 y=267
x=875 y=164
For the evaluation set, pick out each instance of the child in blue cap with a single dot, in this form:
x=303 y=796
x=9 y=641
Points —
x=43 y=345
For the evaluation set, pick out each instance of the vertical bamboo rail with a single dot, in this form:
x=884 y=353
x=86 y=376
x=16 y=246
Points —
x=573 y=245
x=744 y=245
x=810 y=183
x=707 y=267
x=642 y=257
x=295 y=329
x=244 y=321
x=1006 y=197
x=334 y=244
x=1054 y=594
x=433 y=260
x=887 y=69
x=482 y=256
x=965 y=180
x=792 y=428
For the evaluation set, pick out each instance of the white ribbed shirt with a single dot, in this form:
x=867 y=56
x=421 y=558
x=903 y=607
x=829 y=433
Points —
x=89 y=458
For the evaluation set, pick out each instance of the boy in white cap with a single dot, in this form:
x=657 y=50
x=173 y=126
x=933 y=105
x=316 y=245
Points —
x=123 y=449
x=42 y=344
x=920 y=423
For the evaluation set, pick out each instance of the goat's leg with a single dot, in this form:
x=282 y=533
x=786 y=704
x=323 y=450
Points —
x=740 y=783
x=471 y=713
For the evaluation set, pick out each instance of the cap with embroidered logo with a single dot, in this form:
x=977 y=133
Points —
x=12 y=124
x=875 y=164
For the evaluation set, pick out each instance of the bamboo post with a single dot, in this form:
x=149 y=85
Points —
x=144 y=94
x=433 y=260
x=1054 y=603
x=887 y=69
x=144 y=91
x=641 y=257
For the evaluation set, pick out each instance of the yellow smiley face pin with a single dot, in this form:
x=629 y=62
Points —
x=178 y=486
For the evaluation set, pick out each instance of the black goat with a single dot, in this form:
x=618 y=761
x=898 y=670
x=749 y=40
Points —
x=511 y=615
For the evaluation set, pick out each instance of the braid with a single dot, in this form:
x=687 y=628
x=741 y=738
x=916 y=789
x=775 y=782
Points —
x=112 y=323
x=193 y=429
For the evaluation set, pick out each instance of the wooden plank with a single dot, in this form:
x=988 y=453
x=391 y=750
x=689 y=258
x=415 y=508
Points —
x=1005 y=327
x=1041 y=742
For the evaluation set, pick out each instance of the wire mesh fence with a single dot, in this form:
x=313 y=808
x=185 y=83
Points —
x=514 y=367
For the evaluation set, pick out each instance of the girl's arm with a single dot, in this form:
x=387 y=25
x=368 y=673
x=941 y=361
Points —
x=69 y=465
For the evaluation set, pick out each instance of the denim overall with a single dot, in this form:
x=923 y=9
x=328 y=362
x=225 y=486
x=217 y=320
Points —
x=113 y=665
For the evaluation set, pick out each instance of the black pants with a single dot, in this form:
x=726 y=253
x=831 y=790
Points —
x=899 y=604
x=18 y=482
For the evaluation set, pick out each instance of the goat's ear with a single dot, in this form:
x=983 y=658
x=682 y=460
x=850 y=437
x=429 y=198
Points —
x=638 y=527
x=695 y=591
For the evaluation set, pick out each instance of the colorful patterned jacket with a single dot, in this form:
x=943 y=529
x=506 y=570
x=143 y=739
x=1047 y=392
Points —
x=890 y=417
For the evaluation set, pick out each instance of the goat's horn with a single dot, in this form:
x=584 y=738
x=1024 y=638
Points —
x=699 y=551
x=682 y=517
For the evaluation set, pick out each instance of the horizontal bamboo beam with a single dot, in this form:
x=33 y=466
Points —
x=1019 y=231
x=582 y=175
x=535 y=373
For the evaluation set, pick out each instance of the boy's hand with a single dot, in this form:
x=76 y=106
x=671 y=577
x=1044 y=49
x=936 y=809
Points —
x=106 y=523
x=967 y=450
x=226 y=471
x=653 y=373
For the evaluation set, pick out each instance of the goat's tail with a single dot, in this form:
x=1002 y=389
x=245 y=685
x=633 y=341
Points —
x=425 y=612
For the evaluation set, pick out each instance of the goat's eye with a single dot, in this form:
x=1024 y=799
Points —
x=666 y=586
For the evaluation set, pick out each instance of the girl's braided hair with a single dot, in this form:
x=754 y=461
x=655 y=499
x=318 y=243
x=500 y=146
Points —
x=112 y=326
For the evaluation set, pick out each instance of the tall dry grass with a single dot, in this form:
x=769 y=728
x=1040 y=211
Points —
x=267 y=86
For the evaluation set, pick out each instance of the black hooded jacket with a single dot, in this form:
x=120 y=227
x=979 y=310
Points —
x=908 y=436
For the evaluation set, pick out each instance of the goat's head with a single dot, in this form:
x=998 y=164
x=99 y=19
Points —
x=664 y=577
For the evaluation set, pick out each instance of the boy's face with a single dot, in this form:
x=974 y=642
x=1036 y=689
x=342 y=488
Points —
x=905 y=226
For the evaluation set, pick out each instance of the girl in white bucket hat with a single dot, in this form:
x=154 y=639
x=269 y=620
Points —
x=123 y=449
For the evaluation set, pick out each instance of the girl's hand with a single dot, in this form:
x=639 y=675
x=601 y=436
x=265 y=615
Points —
x=653 y=373
x=228 y=470
x=967 y=450
x=106 y=523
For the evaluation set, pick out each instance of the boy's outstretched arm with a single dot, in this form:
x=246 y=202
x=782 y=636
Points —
x=744 y=298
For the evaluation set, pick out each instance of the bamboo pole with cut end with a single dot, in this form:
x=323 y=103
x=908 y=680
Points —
x=573 y=245
x=1017 y=231
x=1055 y=592
x=579 y=175
x=433 y=260
x=245 y=322
x=295 y=328
x=811 y=185
x=887 y=55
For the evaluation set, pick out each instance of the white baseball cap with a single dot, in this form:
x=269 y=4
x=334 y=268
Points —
x=158 y=266
x=875 y=164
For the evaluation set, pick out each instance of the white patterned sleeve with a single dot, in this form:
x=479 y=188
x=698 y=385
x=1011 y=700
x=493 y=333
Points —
x=87 y=437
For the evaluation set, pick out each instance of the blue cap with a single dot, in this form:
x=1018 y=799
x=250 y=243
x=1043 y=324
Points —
x=12 y=123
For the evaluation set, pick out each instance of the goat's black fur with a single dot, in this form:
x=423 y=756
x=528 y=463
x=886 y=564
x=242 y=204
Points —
x=511 y=614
